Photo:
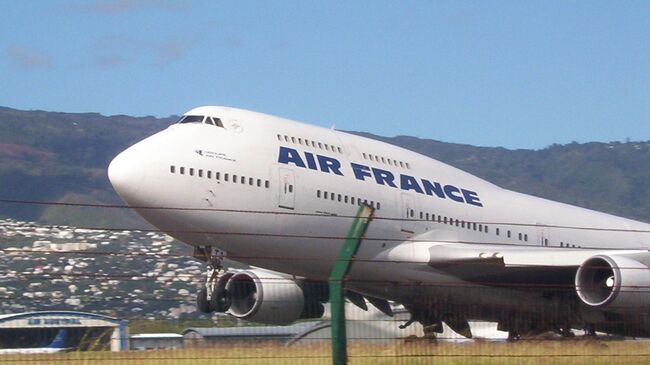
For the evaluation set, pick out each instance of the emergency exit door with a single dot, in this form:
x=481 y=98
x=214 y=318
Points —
x=287 y=194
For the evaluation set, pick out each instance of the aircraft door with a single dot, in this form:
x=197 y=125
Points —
x=542 y=235
x=408 y=214
x=287 y=189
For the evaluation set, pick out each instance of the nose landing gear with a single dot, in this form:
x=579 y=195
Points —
x=212 y=296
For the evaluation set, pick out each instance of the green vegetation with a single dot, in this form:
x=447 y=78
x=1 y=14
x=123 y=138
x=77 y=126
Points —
x=64 y=157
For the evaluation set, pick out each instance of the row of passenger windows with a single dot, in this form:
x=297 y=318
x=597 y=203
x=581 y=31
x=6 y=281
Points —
x=201 y=120
x=451 y=221
x=468 y=225
x=310 y=143
x=345 y=199
x=220 y=176
x=386 y=160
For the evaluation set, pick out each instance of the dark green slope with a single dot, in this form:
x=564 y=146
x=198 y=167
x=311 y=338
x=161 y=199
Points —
x=64 y=156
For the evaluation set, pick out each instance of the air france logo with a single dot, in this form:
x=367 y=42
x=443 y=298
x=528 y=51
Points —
x=330 y=165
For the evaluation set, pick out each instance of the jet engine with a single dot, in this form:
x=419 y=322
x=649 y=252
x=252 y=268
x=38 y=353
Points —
x=268 y=297
x=615 y=282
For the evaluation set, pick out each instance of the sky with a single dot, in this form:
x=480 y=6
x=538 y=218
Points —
x=516 y=74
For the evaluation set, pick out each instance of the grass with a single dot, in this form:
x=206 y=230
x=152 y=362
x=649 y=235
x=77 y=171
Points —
x=591 y=352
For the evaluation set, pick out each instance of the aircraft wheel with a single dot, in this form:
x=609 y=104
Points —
x=220 y=300
x=202 y=302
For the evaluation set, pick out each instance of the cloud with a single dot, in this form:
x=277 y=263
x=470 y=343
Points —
x=115 y=7
x=29 y=58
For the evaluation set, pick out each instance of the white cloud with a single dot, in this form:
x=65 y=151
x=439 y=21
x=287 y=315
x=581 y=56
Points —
x=29 y=58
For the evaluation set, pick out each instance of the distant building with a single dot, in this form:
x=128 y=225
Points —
x=202 y=337
x=85 y=331
x=156 y=341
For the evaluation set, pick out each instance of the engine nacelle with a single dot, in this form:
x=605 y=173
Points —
x=267 y=297
x=613 y=282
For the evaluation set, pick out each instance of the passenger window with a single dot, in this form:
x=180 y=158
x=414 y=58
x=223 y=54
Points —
x=299 y=140
x=250 y=181
x=383 y=160
x=408 y=166
x=497 y=231
x=340 y=150
x=318 y=193
x=401 y=164
x=216 y=175
x=286 y=139
x=352 y=200
x=234 y=178
x=293 y=139
x=378 y=205
x=427 y=216
x=339 y=197
x=332 y=195
x=290 y=188
x=526 y=237
x=325 y=195
x=519 y=236
x=259 y=183
x=172 y=169
x=209 y=174
x=411 y=213
x=200 y=172
x=267 y=184
x=509 y=234
x=191 y=171
x=486 y=229
x=225 y=177
x=327 y=148
x=320 y=145
x=182 y=170
x=279 y=138
x=364 y=156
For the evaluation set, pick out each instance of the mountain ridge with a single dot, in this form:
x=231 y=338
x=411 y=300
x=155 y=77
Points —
x=57 y=156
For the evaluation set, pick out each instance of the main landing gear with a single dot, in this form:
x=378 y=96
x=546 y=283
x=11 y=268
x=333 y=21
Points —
x=212 y=297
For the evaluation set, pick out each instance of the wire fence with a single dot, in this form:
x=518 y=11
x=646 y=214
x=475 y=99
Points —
x=145 y=278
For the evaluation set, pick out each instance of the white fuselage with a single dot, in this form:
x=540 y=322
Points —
x=290 y=204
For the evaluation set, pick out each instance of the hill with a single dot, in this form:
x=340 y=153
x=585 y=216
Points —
x=63 y=157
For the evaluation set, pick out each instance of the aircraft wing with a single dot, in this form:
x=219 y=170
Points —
x=501 y=265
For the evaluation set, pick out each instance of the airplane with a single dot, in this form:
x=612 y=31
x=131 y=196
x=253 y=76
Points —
x=280 y=195
x=57 y=345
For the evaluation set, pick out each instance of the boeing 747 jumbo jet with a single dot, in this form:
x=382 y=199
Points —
x=449 y=246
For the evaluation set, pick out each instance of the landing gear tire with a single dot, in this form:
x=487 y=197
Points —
x=202 y=302
x=220 y=299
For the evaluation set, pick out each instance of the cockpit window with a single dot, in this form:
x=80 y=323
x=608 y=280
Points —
x=191 y=119
x=214 y=121
x=201 y=119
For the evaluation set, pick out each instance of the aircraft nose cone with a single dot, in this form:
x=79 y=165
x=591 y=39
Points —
x=125 y=174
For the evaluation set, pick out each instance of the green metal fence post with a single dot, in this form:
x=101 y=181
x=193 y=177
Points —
x=340 y=269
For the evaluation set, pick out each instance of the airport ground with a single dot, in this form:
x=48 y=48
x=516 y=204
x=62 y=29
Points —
x=569 y=351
